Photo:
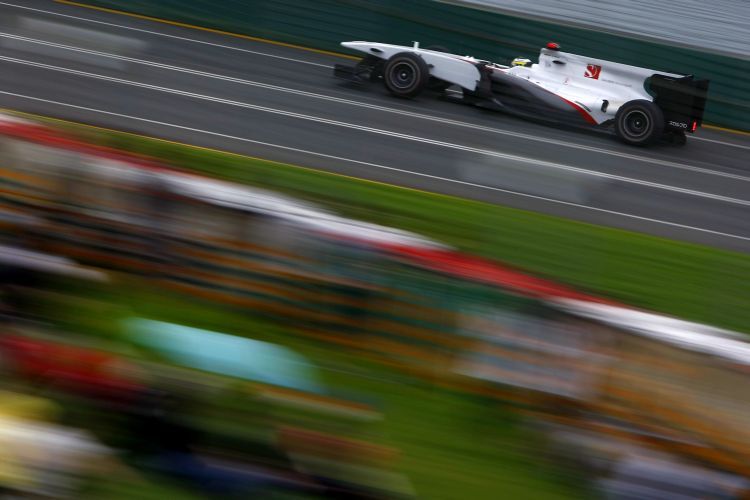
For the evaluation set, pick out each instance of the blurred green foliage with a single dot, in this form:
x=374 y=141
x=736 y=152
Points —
x=690 y=281
x=451 y=446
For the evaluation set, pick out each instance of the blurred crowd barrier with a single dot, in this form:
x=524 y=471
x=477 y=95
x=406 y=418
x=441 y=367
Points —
x=615 y=387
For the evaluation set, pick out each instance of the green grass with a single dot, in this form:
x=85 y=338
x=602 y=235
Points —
x=690 y=281
x=452 y=446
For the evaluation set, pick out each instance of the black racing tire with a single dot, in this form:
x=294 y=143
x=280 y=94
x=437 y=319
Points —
x=639 y=123
x=406 y=74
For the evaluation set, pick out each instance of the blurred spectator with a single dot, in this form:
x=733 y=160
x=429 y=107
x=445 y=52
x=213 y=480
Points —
x=13 y=279
x=346 y=468
x=639 y=477
x=38 y=457
x=163 y=440
x=81 y=371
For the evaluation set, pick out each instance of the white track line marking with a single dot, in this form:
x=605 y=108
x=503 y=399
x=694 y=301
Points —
x=533 y=163
x=185 y=39
x=443 y=121
x=723 y=143
x=301 y=61
x=383 y=167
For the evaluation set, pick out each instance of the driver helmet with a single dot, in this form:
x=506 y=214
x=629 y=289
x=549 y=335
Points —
x=521 y=61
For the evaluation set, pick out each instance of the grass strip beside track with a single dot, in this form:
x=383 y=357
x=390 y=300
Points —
x=451 y=445
x=690 y=281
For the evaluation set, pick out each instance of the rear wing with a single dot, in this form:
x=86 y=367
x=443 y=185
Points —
x=682 y=99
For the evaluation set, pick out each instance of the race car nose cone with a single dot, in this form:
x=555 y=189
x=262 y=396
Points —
x=553 y=46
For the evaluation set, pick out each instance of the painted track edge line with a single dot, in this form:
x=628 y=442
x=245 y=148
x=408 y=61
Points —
x=414 y=114
x=384 y=167
x=388 y=133
x=237 y=35
x=265 y=40
x=203 y=28
x=157 y=33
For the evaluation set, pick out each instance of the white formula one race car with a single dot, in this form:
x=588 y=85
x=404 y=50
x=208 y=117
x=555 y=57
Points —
x=642 y=105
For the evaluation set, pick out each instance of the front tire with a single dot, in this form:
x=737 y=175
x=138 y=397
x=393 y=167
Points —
x=639 y=123
x=406 y=74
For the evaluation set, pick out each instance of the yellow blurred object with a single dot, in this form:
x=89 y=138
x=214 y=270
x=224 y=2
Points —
x=43 y=458
x=12 y=474
x=16 y=408
x=25 y=407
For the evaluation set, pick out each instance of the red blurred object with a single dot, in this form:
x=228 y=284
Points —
x=481 y=270
x=72 y=368
x=553 y=46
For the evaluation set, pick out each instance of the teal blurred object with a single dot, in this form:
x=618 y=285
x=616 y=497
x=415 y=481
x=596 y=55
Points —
x=226 y=354
x=494 y=36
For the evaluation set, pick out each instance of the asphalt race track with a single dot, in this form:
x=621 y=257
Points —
x=283 y=103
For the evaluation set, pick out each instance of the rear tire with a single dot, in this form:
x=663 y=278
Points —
x=639 y=123
x=406 y=74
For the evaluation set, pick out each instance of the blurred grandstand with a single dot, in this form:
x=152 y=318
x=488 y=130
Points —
x=615 y=387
